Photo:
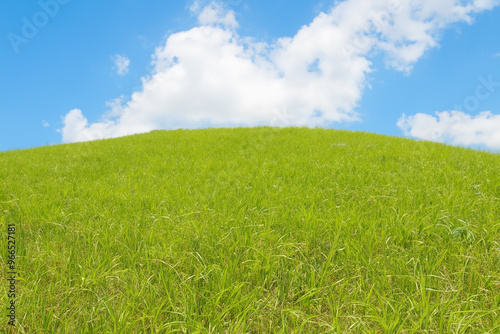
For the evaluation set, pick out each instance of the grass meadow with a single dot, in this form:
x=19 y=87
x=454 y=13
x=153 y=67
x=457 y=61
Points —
x=253 y=230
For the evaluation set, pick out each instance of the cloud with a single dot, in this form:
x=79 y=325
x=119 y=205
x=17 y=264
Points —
x=45 y=124
x=121 y=64
x=210 y=76
x=214 y=14
x=454 y=127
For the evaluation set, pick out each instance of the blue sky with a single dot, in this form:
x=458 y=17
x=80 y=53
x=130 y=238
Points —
x=88 y=70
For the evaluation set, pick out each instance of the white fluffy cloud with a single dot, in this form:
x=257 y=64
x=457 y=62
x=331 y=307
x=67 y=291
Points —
x=214 y=13
x=211 y=76
x=454 y=127
x=121 y=64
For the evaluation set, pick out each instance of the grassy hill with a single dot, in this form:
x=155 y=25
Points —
x=254 y=230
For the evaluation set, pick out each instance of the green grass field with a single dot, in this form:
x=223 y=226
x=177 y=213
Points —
x=253 y=230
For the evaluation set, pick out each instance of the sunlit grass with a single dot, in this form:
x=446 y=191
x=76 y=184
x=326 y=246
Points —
x=254 y=231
